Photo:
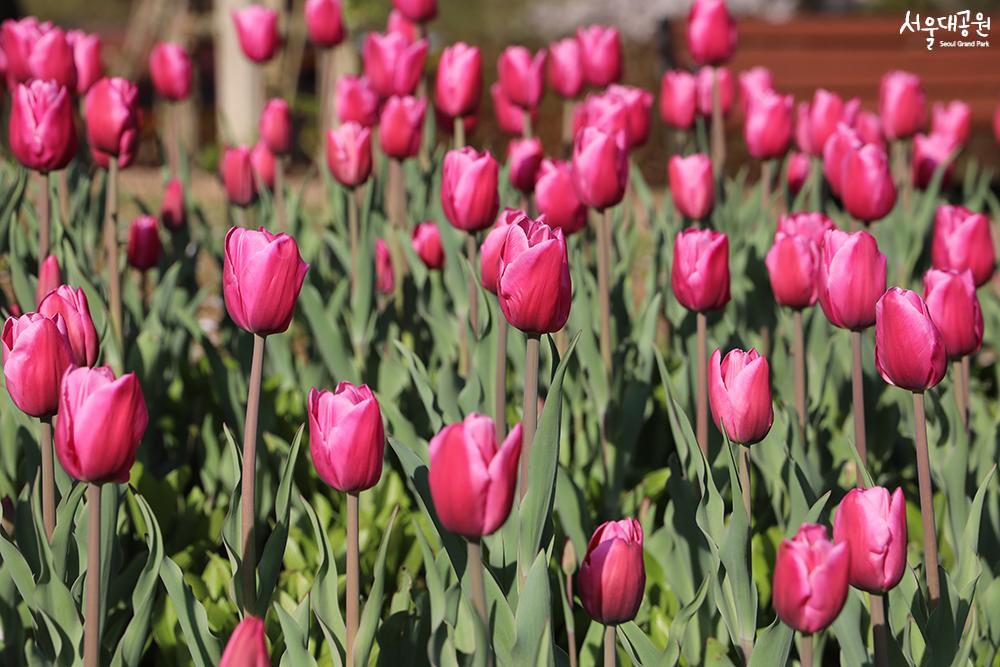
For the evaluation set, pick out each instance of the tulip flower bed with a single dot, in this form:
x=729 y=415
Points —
x=738 y=422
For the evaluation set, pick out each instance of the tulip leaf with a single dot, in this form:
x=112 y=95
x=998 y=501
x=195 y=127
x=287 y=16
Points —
x=968 y=559
x=204 y=647
x=850 y=633
x=639 y=647
x=296 y=639
x=533 y=616
x=373 y=605
x=773 y=645
x=329 y=342
x=734 y=552
x=324 y=596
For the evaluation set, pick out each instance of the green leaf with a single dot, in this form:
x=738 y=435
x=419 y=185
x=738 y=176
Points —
x=533 y=616
x=640 y=647
x=205 y=649
x=274 y=550
x=373 y=605
x=772 y=646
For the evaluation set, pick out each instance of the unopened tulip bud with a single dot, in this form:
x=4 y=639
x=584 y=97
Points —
x=962 y=240
x=638 y=105
x=909 y=349
x=86 y=58
x=797 y=172
x=262 y=161
x=401 y=125
x=143 y=250
x=247 y=645
x=510 y=117
x=901 y=104
x=792 y=267
x=612 y=577
x=426 y=241
x=419 y=11
x=238 y=176
x=469 y=195
x=692 y=185
x=42 y=133
x=36 y=354
x=678 y=99
x=739 y=392
x=753 y=82
x=173 y=213
x=952 y=120
x=356 y=101
x=349 y=154
x=325 y=23
x=385 y=277
x=556 y=197
x=930 y=153
x=522 y=76
x=872 y=522
x=851 y=278
x=276 y=126
x=393 y=64
x=257 y=31
x=706 y=81
x=112 y=115
x=346 y=437
x=524 y=156
x=533 y=281
x=810 y=579
x=459 y=81
x=170 y=69
x=71 y=305
x=49 y=278
x=700 y=272
x=768 y=125
x=866 y=185
x=840 y=144
x=35 y=50
x=489 y=252
x=711 y=32
x=600 y=167
x=565 y=70
x=954 y=307
x=600 y=54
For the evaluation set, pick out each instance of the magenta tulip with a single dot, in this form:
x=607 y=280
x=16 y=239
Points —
x=325 y=23
x=489 y=252
x=257 y=31
x=768 y=125
x=349 y=154
x=112 y=115
x=71 y=305
x=930 y=153
x=600 y=54
x=606 y=112
x=851 y=278
x=556 y=197
x=822 y=116
x=36 y=354
x=522 y=76
x=952 y=120
x=469 y=195
x=792 y=267
x=170 y=69
x=808 y=224
x=262 y=161
x=612 y=577
x=49 y=278
x=678 y=99
x=711 y=32
x=739 y=393
x=247 y=646
x=397 y=23
x=842 y=142
x=401 y=125
x=143 y=250
x=909 y=348
x=753 y=82
x=533 y=281
x=866 y=186
x=276 y=126
x=524 y=156
x=385 y=277
x=705 y=87
x=426 y=242
x=86 y=58
x=872 y=523
x=356 y=101
x=692 y=185
x=869 y=128
x=600 y=167
x=346 y=437
x=42 y=133
x=565 y=70
x=962 y=240
x=419 y=11
x=954 y=307
x=509 y=116
x=810 y=579
x=638 y=107
x=797 y=171
x=459 y=81
x=37 y=50
x=173 y=213
x=700 y=272
x=393 y=64
x=901 y=104
x=238 y=176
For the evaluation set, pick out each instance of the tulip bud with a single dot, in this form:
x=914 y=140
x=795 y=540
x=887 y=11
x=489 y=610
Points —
x=71 y=305
x=459 y=81
x=393 y=65
x=523 y=159
x=866 y=184
x=678 y=99
x=612 y=577
x=349 y=154
x=692 y=185
x=247 y=645
x=952 y=120
x=42 y=134
x=841 y=143
x=565 y=68
x=385 y=278
x=173 y=213
x=37 y=51
x=700 y=273
x=822 y=116
x=489 y=252
x=909 y=349
x=262 y=275
x=472 y=480
x=872 y=523
x=521 y=76
x=962 y=240
x=600 y=167
x=325 y=23
x=49 y=278
x=238 y=176
x=768 y=125
x=143 y=250
x=419 y=11
x=808 y=224
x=401 y=125
x=638 y=105
x=112 y=115
x=170 y=68
x=792 y=267
x=711 y=32
x=797 y=171
x=954 y=307
x=556 y=197
x=86 y=58
x=402 y=26
x=356 y=101
x=469 y=194
x=810 y=579
x=257 y=31
x=739 y=393
x=705 y=83
x=753 y=82
x=606 y=112
x=533 y=282
x=600 y=54
x=262 y=161
x=346 y=437
x=869 y=128
x=276 y=126
x=509 y=117
x=901 y=104
x=851 y=278
x=426 y=241
x=931 y=152
x=36 y=353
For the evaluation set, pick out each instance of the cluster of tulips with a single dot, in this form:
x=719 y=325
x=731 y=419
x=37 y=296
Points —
x=478 y=467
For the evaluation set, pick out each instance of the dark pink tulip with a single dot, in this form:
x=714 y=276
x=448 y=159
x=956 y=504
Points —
x=533 y=282
x=238 y=176
x=565 y=67
x=276 y=126
x=600 y=167
x=170 y=69
x=753 y=82
x=678 y=99
x=951 y=120
x=909 y=349
x=524 y=156
x=247 y=645
x=954 y=307
x=325 y=23
x=638 y=105
x=509 y=117
x=469 y=195
x=37 y=51
x=459 y=82
x=356 y=101
x=393 y=65
x=143 y=250
x=901 y=104
x=86 y=58
x=692 y=186
x=263 y=162
x=869 y=128
x=768 y=125
x=71 y=305
x=426 y=242
x=803 y=131
x=556 y=197
x=103 y=160
x=962 y=240
x=489 y=251
x=112 y=115
x=808 y=224
x=36 y=353
x=866 y=186
x=826 y=111
x=851 y=278
x=842 y=142
x=739 y=393
x=385 y=277
x=419 y=11
x=872 y=523
x=471 y=479
x=792 y=267
x=600 y=54
x=346 y=437
x=257 y=31
x=810 y=579
x=929 y=153
x=49 y=278
x=705 y=90
x=262 y=275
x=401 y=125
x=173 y=212
x=604 y=111
x=711 y=32
x=522 y=76
x=42 y=133
x=399 y=24
x=349 y=154
x=700 y=272
x=612 y=577
x=797 y=171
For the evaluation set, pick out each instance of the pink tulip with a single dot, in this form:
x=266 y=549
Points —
x=356 y=101
x=101 y=424
x=867 y=189
x=705 y=84
x=612 y=577
x=49 y=278
x=812 y=226
x=276 y=126
x=346 y=437
x=238 y=176
x=37 y=50
x=262 y=161
x=469 y=195
x=841 y=143
x=792 y=267
x=869 y=128
x=247 y=645
x=700 y=272
x=851 y=278
x=426 y=242
x=86 y=58
x=952 y=120
x=170 y=69
x=385 y=277
x=872 y=523
x=909 y=349
x=36 y=353
x=257 y=31
x=489 y=252
x=402 y=26
x=600 y=168
x=819 y=120
x=523 y=159
x=797 y=171
x=173 y=213
x=509 y=117
x=692 y=185
x=401 y=125
x=143 y=250
x=349 y=154
x=600 y=54
x=112 y=115
x=901 y=104
x=768 y=125
x=419 y=11
x=739 y=392
x=533 y=282
x=471 y=479
x=325 y=23
x=393 y=64
x=931 y=152
x=962 y=240
x=604 y=111
x=262 y=275
x=42 y=133
x=556 y=197
x=753 y=82
x=459 y=82
x=565 y=71
x=71 y=305
x=522 y=76
x=638 y=105
x=954 y=307
x=678 y=99
x=711 y=32
x=810 y=579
